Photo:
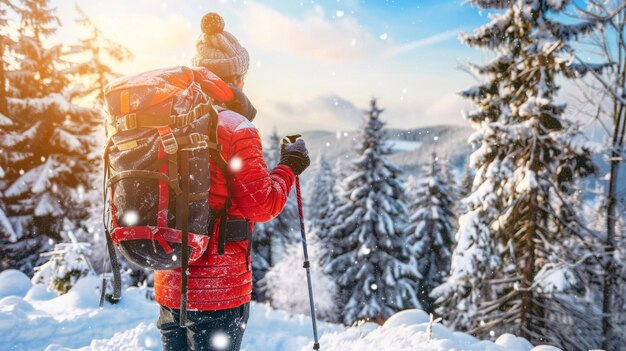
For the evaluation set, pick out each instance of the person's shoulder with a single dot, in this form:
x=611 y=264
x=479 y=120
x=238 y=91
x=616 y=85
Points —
x=234 y=122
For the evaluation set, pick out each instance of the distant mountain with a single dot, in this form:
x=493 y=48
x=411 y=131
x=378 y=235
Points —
x=411 y=147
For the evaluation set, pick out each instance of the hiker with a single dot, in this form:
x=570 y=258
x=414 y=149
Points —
x=220 y=286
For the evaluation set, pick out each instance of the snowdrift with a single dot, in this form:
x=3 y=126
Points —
x=31 y=318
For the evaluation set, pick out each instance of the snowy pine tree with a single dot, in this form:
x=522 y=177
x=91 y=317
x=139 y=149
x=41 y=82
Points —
x=323 y=198
x=467 y=182
x=66 y=264
x=454 y=189
x=528 y=158
x=271 y=238
x=412 y=185
x=46 y=169
x=6 y=46
x=285 y=284
x=323 y=204
x=370 y=260
x=100 y=51
x=430 y=231
x=99 y=47
x=323 y=229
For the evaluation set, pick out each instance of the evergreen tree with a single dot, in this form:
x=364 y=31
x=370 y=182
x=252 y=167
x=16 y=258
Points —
x=370 y=261
x=466 y=187
x=6 y=45
x=100 y=51
x=45 y=165
x=322 y=199
x=98 y=46
x=323 y=204
x=271 y=238
x=324 y=228
x=528 y=158
x=412 y=184
x=285 y=283
x=430 y=231
x=454 y=189
x=467 y=181
x=66 y=264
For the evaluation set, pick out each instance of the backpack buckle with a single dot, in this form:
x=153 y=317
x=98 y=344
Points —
x=169 y=141
x=180 y=120
x=197 y=139
x=127 y=122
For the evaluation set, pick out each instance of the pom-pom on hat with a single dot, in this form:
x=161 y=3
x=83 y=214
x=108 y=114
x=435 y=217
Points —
x=219 y=50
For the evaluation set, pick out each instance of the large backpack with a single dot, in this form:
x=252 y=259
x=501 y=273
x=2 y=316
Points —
x=161 y=134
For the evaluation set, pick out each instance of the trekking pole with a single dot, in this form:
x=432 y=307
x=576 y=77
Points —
x=316 y=346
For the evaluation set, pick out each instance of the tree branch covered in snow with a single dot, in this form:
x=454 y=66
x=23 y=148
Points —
x=508 y=269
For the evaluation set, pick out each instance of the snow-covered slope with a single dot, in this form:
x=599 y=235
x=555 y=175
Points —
x=35 y=319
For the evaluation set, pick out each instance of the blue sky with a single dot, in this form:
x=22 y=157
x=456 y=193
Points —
x=314 y=64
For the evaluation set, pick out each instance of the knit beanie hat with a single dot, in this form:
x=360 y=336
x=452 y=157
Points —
x=219 y=50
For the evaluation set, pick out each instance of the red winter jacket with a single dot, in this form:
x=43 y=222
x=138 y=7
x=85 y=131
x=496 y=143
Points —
x=220 y=282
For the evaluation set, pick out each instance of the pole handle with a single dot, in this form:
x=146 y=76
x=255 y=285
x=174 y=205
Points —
x=289 y=139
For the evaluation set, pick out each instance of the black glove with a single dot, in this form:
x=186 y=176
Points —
x=295 y=156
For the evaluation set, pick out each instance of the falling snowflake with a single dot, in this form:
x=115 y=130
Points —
x=130 y=218
x=235 y=164
x=81 y=192
x=220 y=340
x=384 y=36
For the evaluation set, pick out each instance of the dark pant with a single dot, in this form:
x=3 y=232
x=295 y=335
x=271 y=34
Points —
x=206 y=330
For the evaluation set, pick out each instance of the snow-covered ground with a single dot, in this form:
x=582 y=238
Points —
x=31 y=318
